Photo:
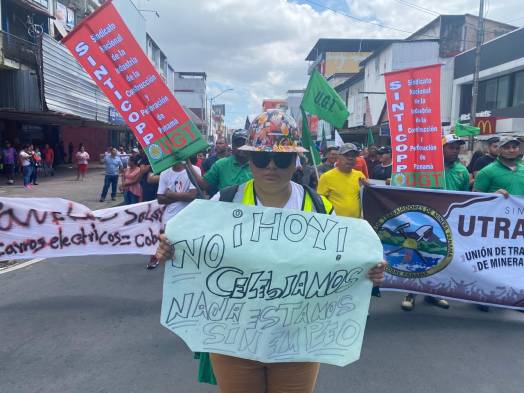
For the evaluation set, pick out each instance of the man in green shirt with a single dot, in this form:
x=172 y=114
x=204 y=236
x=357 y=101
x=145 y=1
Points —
x=506 y=174
x=227 y=171
x=457 y=179
x=456 y=174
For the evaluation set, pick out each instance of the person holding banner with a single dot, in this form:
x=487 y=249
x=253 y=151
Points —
x=272 y=158
x=506 y=174
x=457 y=179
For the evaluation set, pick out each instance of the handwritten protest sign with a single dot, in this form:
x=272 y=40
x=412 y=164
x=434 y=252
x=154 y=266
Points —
x=53 y=227
x=268 y=284
x=109 y=53
x=464 y=246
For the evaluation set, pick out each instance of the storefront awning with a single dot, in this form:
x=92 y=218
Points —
x=55 y=119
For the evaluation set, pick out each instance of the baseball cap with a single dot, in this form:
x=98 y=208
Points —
x=135 y=150
x=347 y=147
x=452 y=138
x=493 y=139
x=384 y=150
x=508 y=139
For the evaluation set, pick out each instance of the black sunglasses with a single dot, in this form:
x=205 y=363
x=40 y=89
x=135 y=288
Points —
x=261 y=159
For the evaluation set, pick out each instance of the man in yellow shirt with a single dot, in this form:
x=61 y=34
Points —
x=341 y=185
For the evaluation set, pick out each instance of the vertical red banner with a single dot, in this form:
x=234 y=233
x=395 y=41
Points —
x=109 y=53
x=413 y=103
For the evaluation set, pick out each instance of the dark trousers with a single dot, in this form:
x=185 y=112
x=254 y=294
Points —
x=34 y=173
x=109 y=179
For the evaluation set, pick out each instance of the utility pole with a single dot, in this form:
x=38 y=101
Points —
x=475 y=88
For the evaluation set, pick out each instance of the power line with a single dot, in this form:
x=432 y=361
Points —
x=365 y=21
x=418 y=7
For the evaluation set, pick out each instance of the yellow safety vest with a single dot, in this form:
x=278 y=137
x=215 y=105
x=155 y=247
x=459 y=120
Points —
x=249 y=198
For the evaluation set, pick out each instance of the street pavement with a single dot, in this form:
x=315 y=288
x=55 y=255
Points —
x=91 y=324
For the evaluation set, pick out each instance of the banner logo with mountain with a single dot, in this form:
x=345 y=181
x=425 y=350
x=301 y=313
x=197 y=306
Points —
x=417 y=241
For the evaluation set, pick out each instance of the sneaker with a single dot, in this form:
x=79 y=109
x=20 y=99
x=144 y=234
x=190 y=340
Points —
x=35 y=184
x=437 y=302
x=29 y=187
x=113 y=199
x=408 y=303
x=101 y=200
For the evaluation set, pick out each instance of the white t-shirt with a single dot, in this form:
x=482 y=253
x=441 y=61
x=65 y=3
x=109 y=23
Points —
x=294 y=202
x=177 y=182
x=25 y=158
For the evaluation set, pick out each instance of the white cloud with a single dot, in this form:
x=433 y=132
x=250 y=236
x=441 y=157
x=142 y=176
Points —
x=258 y=47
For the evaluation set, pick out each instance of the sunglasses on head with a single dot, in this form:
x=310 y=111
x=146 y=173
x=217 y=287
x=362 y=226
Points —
x=282 y=160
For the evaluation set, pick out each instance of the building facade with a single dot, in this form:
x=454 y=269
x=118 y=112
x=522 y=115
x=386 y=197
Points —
x=500 y=103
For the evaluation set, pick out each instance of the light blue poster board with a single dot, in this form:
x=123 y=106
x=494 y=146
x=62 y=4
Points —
x=268 y=284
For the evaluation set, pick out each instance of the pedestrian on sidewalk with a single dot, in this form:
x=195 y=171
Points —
x=25 y=157
x=36 y=163
x=113 y=166
x=49 y=158
x=9 y=161
x=82 y=159
x=131 y=182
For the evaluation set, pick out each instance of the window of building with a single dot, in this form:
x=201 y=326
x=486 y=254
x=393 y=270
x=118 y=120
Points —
x=503 y=90
x=518 y=93
x=465 y=99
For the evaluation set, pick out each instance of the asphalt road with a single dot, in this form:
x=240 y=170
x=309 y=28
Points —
x=92 y=325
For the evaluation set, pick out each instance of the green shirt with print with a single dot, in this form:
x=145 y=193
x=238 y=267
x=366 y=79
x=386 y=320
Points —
x=457 y=177
x=497 y=175
x=228 y=172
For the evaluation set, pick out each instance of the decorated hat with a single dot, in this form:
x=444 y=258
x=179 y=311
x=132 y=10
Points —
x=274 y=131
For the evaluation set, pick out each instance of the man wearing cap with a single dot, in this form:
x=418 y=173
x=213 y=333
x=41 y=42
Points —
x=341 y=185
x=506 y=174
x=331 y=159
x=456 y=174
x=457 y=179
x=382 y=171
x=490 y=156
x=227 y=171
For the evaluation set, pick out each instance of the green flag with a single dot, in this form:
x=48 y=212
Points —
x=307 y=142
x=466 y=129
x=371 y=140
x=322 y=100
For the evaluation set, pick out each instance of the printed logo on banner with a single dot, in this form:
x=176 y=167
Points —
x=417 y=241
x=155 y=152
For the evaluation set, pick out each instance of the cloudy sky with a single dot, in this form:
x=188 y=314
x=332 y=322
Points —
x=258 y=47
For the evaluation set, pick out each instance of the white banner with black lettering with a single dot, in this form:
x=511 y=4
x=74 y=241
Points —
x=53 y=227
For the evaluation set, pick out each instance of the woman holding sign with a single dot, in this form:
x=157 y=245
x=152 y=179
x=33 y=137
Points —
x=273 y=145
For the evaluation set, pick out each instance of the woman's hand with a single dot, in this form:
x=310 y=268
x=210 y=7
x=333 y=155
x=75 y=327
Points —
x=165 y=250
x=376 y=273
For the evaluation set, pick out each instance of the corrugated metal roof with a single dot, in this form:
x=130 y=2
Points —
x=67 y=87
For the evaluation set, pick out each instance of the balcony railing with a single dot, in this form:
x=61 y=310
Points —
x=18 y=49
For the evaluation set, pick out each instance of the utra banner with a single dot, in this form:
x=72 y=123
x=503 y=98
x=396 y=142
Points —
x=413 y=103
x=109 y=53
x=463 y=246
